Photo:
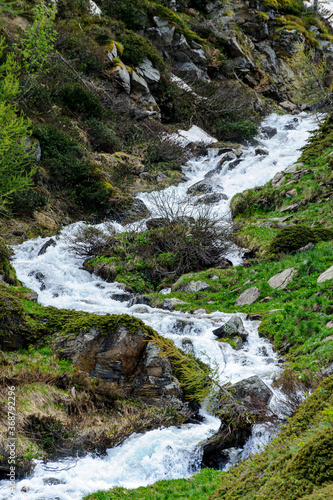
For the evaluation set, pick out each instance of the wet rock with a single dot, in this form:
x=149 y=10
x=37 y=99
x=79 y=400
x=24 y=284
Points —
x=248 y=297
x=211 y=199
x=309 y=246
x=187 y=345
x=252 y=390
x=269 y=132
x=139 y=299
x=204 y=186
x=52 y=481
x=47 y=244
x=326 y=275
x=120 y=296
x=292 y=125
x=233 y=164
x=261 y=151
x=156 y=381
x=193 y=286
x=169 y=304
x=254 y=316
x=232 y=328
x=281 y=280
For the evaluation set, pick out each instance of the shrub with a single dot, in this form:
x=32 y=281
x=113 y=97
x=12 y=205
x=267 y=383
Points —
x=102 y=138
x=80 y=100
x=294 y=237
x=136 y=48
x=70 y=169
x=133 y=14
x=314 y=460
x=27 y=201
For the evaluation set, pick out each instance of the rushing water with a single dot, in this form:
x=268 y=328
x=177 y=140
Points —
x=59 y=280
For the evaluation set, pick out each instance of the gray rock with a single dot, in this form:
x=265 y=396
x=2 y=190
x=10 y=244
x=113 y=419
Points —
x=197 y=312
x=169 y=304
x=232 y=328
x=32 y=296
x=328 y=371
x=47 y=244
x=292 y=168
x=138 y=83
x=326 y=275
x=212 y=198
x=326 y=339
x=204 y=186
x=261 y=151
x=187 y=345
x=148 y=72
x=112 y=53
x=309 y=246
x=123 y=77
x=278 y=179
x=288 y=208
x=248 y=297
x=281 y=280
x=268 y=131
x=160 y=23
x=193 y=287
x=233 y=48
x=288 y=106
x=329 y=324
x=252 y=390
x=300 y=173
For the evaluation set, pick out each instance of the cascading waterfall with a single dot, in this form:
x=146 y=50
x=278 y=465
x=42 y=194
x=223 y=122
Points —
x=59 y=280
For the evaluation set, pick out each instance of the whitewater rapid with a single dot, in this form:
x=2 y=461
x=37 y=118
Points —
x=60 y=281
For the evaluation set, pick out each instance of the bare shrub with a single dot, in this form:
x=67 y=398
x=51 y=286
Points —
x=90 y=240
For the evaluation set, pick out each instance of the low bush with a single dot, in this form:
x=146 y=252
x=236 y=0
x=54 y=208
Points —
x=27 y=201
x=80 y=100
x=292 y=238
x=102 y=138
x=136 y=48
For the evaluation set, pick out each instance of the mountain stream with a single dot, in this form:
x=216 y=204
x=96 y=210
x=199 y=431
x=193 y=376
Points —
x=57 y=276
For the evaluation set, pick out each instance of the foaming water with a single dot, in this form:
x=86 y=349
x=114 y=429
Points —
x=59 y=280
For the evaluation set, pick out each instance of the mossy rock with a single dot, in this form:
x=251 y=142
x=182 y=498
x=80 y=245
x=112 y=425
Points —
x=292 y=238
x=314 y=460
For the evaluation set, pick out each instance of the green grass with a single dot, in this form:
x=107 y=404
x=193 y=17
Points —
x=196 y=487
x=306 y=305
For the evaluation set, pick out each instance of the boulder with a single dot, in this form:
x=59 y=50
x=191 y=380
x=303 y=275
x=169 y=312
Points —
x=47 y=244
x=248 y=297
x=148 y=72
x=231 y=329
x=155 y=381
x=261 y=151
x=288 y=106
x=204 y=186
x=169 y=304
x=268 y=131
x=278 y=179
x=211 y=199
x=329 y=324
x=138 y=83
x=253 y=391
x=123 y=77
x=309 y=246
x=281 y=280
x=326 y=275
x=193 y=286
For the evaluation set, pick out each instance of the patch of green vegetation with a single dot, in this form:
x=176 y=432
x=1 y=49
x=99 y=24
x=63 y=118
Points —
x=292 y=238
x=196 y=487
x=304 y=307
